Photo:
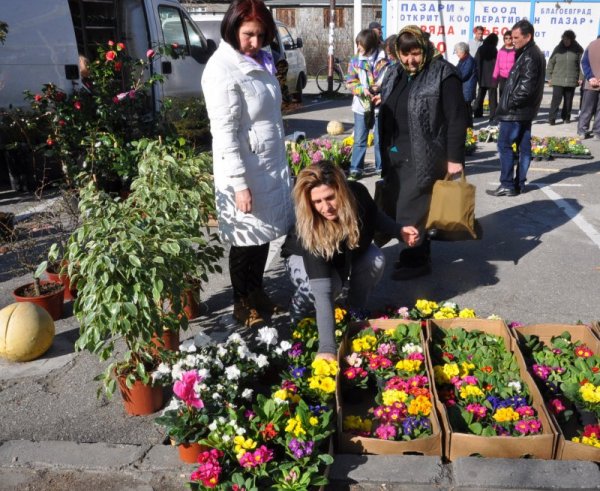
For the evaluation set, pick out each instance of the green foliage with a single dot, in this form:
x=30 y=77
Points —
x=132 y=259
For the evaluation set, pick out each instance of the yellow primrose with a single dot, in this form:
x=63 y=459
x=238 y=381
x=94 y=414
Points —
x=340 y=314
x=356 y=423
x=242 y=444
x=327 y=385
x=364 y=343
x=294 y=425
x=426 y=307
x=445 y=313
x=409 y=365
x=281 y=394
x=466 y=314
x=505 y=414
x=390 y=396
x=314 y=421
x=594 y=442
x=590 y=393
x=420 y=405
x=324 y=367
x=467 y=391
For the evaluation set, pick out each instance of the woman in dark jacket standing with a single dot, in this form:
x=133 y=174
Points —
x=563 y=75
x=422 y=137
x=485 y=59
x=467 y=71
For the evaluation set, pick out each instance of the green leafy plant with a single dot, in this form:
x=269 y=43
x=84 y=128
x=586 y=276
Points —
x=129 y=258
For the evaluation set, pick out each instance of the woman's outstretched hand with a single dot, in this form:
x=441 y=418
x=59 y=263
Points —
x=325 y=356
x=410 y=235
x=243 y=200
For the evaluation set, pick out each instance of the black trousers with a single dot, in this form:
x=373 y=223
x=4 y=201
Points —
x=246 y=269
x=565 y=94
x=478 y=104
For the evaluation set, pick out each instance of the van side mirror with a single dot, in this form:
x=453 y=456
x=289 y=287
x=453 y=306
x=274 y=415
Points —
x=288 y=46
x=299 y=43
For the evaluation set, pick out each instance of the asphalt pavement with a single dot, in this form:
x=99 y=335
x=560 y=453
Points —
x=538 y=262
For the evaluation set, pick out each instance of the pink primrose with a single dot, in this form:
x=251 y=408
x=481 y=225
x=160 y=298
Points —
x=385 y=432
x=557 y=406
x=525 y=411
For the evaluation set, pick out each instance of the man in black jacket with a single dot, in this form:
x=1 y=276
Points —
x=518 y=107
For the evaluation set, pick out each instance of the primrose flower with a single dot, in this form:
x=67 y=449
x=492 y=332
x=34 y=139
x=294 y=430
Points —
x=468 y=391
x=557 y=406
x=389 y=397
x=426 y=307
x=478 y=410
x=503 y=415
x=541 y=371
x=386 y=432
x=590 y=393
x=409 y=365
x=242 y=445
x=583 y=351
x=294 y=425
x=466 y=314
x=324 y=367
x=260 y=456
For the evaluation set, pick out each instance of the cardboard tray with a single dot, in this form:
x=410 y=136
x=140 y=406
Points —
x=348 y=443
x=566 y=449
x=456 y=445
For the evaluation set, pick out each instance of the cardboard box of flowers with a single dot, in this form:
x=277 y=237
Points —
x=489 y=405
x=565 y=363
x=385 y=403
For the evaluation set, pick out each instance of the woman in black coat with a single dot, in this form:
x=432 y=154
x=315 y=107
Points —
x=485 y=58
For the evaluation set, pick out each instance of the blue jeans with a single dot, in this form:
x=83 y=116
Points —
x=518 y=132
x=359 y=149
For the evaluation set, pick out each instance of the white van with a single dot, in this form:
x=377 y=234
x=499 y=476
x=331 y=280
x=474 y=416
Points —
x=45 y=39
x=296 y=76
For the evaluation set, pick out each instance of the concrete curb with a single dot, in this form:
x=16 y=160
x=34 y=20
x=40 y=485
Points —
x=356 y=472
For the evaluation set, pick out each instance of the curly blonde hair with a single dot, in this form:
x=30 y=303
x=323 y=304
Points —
x=318 y=235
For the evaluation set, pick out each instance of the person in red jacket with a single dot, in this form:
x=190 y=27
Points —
x=504 y=62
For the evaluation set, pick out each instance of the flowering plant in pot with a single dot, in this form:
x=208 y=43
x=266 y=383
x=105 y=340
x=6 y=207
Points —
x=127 y=259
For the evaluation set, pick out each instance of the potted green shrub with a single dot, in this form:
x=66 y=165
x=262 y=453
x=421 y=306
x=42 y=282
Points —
x=128 y=259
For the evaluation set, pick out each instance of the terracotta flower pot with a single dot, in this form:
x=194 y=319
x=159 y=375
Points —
x=191 y=307
x=141 y=399
x=168 y=340
x=70 y=292
x=52 y=301
x=188 y=452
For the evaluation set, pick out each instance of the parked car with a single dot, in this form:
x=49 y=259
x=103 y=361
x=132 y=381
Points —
x=292 y=50
x=284 y=45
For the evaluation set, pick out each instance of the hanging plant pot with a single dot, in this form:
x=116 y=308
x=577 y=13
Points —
x=140 y=399
x=188 y=452
x=169 y=340
x=51 y=298
x=56 y=277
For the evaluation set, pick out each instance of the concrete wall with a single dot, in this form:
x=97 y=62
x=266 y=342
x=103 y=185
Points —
x=310 y=27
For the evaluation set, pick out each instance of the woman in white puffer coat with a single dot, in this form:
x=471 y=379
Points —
x=252 y=179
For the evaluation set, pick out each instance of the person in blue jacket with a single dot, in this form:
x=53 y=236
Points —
x=467 y=69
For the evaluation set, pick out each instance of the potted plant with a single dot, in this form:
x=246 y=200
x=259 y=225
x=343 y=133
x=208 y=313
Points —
x=128 y=258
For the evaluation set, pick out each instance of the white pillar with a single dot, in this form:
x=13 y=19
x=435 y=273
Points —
x=357 y=18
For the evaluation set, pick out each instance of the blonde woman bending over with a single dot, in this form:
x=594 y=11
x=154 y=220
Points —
x=332 y=243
